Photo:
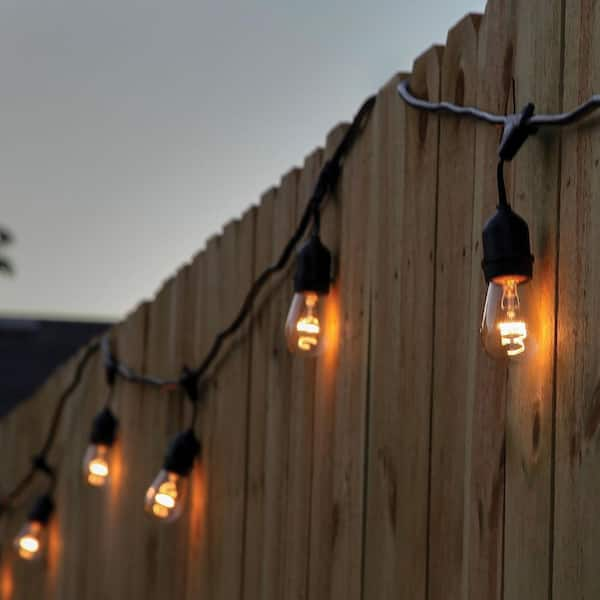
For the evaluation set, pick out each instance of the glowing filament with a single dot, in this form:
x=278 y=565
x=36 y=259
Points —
x=308 y=326
x=97 y=472
x=28 y=543
x=165 y=499
x=512 y=336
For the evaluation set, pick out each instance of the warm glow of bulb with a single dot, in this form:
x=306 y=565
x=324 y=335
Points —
x=28 y=542
x=95 y=465
x=504 y=328
x=303 y=327
x=165 y=500
x=99 y=467
x=164 y=497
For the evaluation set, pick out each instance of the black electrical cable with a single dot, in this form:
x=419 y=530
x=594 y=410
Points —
x=567 y=118
x=39 y=461
x=116 y=367
x=326 y=183
x=502 y=201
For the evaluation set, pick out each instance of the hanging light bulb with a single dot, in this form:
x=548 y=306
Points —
x=96 y=461
x=305 y=328
x=507 y=266
x=31 y=539
x=165 y=498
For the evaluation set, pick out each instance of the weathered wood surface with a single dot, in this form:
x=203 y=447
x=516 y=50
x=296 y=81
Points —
x=403 y=463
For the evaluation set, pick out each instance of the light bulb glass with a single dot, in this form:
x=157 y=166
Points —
x=96 y=465
x=505 y=332
x=165 y=497
x=30 y=541
x=305 y=327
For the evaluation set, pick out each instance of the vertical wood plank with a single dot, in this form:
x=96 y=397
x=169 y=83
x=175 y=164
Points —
x=257 y=406
x=128 y=483
x=237 y=264
x=205 y=582
x=279 y=384
x=486 y=453
x=194 y=353
x=229 y=268
x=322 y=514
x=577 y=481
x=81 y=524
x=349 y=426
x=530 y=418
x=405 y=200
x=300 y=440
x=455 y=331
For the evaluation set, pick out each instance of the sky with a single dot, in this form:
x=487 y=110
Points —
x=130 y=132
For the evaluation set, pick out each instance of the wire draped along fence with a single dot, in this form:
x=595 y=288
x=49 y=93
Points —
x=403 y=462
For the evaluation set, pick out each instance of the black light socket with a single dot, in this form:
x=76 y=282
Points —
x=506 y=247
x=181 y=453
x=104 y=428
x=313 y=267
x=41 y=510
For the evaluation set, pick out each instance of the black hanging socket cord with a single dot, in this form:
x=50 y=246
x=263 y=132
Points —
x=191 y=378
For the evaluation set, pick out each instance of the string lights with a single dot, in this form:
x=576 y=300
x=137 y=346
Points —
x=165 y=497
x=31 y=539
x=507 y=260
x=507 y=264
x=96 y=461
x=305 y=329
x=507 y=267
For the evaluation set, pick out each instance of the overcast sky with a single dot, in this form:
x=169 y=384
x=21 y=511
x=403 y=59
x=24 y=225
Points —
x=132 y=131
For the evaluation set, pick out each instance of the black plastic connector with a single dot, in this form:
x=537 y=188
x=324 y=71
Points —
x=517 y=129
x=40 y=463
x=182 y=452
x=506 y=246
x=313 y=267
x=42 y=510
x=104 y=428
x=189 y=384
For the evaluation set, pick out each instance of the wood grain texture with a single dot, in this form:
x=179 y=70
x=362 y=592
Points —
x=257 y=406
x=403 y=463
x=278 y=395
x=455 y=331
x=530 y=418
x=300 y=437
x=322 y=511
x=131 y=474
x=197 y=545
x=348 y=449
x=577 y=481
x=486 y=454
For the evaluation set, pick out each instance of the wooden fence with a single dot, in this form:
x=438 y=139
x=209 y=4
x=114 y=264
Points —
x=403 y=463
